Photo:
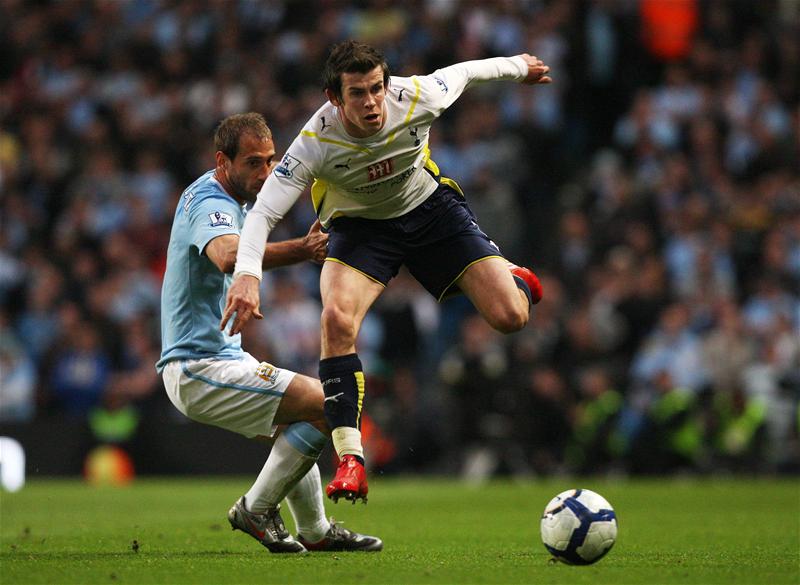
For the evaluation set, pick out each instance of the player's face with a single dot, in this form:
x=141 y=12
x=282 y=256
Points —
x=362 y=103
x=247 y=172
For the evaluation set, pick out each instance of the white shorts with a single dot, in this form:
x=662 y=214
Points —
x=239 y=395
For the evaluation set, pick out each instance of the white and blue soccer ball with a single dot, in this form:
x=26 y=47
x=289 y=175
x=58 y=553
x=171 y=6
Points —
x=579 y=527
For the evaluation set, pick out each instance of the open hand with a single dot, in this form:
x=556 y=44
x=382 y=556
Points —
x=243 y=300
x=537 y=70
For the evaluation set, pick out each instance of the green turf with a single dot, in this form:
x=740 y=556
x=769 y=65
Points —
x=670 y=531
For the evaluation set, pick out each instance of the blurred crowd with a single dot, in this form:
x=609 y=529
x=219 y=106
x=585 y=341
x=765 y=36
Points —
x=654 y=187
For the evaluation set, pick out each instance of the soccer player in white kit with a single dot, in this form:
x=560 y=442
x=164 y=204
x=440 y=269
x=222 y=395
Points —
x=208 y=376
x=385 y=204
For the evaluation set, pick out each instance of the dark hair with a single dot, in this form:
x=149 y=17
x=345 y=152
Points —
x=351 y=57
x=230 y=130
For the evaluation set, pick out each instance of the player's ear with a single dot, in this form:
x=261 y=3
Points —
x=332 y=97
x=221 y=158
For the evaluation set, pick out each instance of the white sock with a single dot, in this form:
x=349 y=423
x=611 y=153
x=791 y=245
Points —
x=285 y=466
x=347 y=441
x=307 y=507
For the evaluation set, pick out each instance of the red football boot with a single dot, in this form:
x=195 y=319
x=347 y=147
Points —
x=530 y=279
x=350 y=481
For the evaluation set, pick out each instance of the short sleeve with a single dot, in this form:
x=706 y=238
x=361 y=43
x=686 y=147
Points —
x=211 y=217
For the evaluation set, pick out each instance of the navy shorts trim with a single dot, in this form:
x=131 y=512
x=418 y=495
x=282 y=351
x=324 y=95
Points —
x=437 y=241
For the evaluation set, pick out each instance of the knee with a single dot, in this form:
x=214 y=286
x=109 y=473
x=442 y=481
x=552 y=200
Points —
x=313 y=403
x=321 y=425
x=303 y=401
x=338 y=325
x=508 y=319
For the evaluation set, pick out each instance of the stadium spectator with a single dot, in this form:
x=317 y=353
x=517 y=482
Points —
x=81 y=370
x=593 y=446
x=543 y=420
x=478 y=376
x=17 y=378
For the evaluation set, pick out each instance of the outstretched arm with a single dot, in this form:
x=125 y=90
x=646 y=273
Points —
x=444 y=86
x=313 y=246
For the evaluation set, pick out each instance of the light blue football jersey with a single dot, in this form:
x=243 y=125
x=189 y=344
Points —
x=193 y=292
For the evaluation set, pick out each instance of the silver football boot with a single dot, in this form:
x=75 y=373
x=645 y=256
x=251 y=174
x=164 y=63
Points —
x=340 y=538
x=266 y=528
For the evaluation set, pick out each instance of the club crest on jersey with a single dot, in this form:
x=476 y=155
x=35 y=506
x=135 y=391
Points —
x=267 y=372
x=287 y=166
x=380 y=169
x=220 y=219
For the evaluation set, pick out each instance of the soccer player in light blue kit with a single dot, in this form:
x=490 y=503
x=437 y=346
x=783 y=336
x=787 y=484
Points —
x=208 y=376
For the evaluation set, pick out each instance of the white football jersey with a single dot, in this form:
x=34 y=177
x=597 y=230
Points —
x=378 y=177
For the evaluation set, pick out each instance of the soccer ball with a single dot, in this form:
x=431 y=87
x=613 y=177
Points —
x=579 y=527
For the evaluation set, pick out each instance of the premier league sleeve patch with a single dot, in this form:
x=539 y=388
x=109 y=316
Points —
x=220 y=219
x=287 y=166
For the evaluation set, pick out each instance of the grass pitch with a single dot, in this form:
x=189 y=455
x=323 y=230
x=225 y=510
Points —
x=435 y=531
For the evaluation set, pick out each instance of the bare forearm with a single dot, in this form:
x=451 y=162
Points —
x=277 y=254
